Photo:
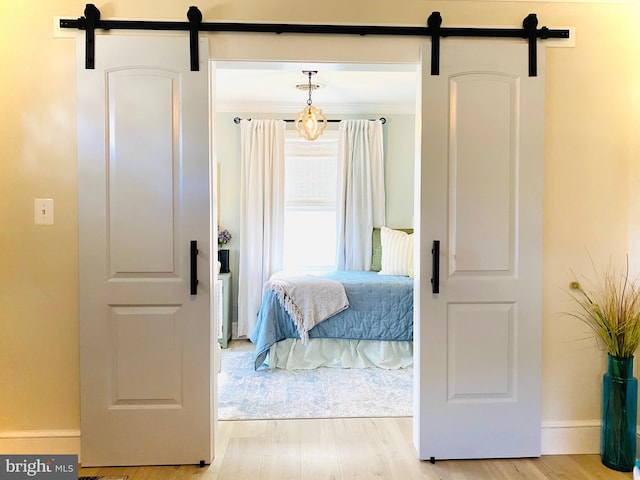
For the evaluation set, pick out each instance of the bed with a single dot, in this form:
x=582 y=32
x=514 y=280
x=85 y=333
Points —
x=375 y=330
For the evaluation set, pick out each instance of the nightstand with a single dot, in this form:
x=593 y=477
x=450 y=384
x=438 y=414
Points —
x=224 y=308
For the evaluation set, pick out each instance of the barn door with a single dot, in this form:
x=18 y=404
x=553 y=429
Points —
x=144 y=227
x=481 y=174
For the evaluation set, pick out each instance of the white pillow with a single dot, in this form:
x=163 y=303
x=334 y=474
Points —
x=397 y=252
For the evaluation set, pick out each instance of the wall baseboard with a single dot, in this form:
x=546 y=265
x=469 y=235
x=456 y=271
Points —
x=558 y=438
x=40 y=442
x=571 y=437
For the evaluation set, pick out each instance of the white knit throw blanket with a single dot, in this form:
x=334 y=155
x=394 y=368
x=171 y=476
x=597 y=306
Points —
x=308 y=299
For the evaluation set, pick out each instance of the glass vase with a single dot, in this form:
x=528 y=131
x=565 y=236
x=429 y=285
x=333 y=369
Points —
x=619 y=414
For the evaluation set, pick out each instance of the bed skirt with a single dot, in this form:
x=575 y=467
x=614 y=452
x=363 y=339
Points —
x=291 y=354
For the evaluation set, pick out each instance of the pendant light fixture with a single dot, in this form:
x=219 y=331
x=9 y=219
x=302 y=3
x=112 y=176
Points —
x=310 y=122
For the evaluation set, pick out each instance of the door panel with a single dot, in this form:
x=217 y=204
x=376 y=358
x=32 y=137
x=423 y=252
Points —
x=144 y=183
x=480 y=371
x=482 y=140
x=141 y=139
x=478 y=354
x=155 y=377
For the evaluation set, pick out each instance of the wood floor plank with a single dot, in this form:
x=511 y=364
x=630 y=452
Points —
x=592 y=466
x=347 y=449
x=358 y=451
x=319 y=455
x=522 y=469
x=281 y=457
x=242 y=459
x=577 y=467
x=222 y=436
x=400 y=456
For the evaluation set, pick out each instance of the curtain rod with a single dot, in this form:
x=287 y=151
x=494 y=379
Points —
x=236 y=120
x=529 y=32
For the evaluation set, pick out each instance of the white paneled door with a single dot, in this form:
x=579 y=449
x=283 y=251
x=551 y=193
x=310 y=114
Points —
x=481 y=174
x=143 y=182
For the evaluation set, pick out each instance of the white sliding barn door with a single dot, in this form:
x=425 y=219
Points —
x=143 y=183
x=481 y=173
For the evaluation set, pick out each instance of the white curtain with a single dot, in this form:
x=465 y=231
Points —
x=261 y=213
x=361 y=199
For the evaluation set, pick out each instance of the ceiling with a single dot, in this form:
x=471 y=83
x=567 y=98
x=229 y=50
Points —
x=344 y=88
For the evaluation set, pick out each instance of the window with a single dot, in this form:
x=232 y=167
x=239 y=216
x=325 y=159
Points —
x=310 y=202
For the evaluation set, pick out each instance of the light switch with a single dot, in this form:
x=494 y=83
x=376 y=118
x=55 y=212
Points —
x=43 y=211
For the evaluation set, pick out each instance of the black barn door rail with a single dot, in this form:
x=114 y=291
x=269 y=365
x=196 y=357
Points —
x=434 y=29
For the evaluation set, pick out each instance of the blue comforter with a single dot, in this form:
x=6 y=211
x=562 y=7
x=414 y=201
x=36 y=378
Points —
x=380 y=308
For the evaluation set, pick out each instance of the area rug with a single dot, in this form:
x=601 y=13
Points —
x=245 y=394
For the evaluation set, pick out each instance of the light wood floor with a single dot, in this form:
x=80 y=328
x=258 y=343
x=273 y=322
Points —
x=353 y=448
x=357 y=448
